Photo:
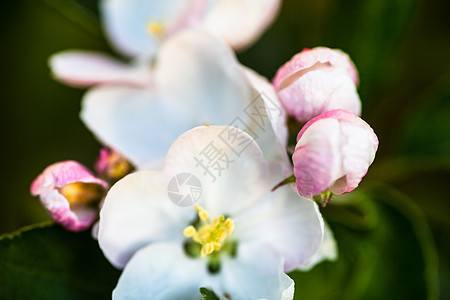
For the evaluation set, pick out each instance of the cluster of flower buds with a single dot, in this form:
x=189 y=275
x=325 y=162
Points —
x=335 y=147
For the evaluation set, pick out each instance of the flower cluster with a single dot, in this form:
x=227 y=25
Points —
x=195 y=142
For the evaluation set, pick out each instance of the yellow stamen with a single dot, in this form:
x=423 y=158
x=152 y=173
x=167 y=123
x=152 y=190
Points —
x=211 y=235
x=156 y=29
x=215 y=222
x=221 y=235
x=217 y=246
x=207 y=249
x=202 y=213
x=189 y=231
x=229 y=224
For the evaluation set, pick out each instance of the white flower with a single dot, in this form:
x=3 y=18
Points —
x=195 y=80
x=137 y=27
x=239 y=240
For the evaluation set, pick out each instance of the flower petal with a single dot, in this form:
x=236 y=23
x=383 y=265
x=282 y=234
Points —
x=47 y=186
x=278 y=116
x=86 y=68
x=338 y=147
x=317 y=158
x=327 y=251
x=318 y=80
x=241 y=22
x=309 y=57
x=290 y=224
x=161 y=271
x=256 y=273
x=134 y=122
x=202 y=73
x=198 y=81
x=61 y=212
x=61 y=173
x=319 y=91
x=228 y=163
x=358 y=154
x=126 y=22
x=138 y=212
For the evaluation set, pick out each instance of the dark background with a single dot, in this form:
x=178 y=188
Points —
x=401 y=49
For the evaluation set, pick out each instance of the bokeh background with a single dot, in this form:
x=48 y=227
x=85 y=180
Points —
x=393 y=232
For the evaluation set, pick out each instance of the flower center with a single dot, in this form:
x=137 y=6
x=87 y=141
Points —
x=211 y=235
x=156 y=29
x=82 y=193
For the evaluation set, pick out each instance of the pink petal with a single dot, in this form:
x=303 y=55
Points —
x=334 y=151
x=59 y=174
x=56 y=176
x=309 y=57
x=316 y=81
x=316 y=158
x=85 y=68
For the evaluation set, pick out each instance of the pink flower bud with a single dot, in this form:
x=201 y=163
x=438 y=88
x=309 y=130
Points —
x=112 y=166
x=333 y=152
x=316 y=81
x=70 y=193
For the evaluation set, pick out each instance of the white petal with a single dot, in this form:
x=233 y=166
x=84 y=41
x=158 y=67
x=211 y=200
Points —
x=275 y=130
x=327 y=251
x=198 y=81
x=84 y=68
x=137 y=123
x=290 y=224
x=278 y=119
x=137 y=212
x=161 y=271
x=256 y=273
x=126 y=22
x=241 y=22
x=228 y=163
x=203 y=75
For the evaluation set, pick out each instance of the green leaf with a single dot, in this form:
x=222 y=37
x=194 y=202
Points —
x=394 y=259
x=208 y=294
x=47 y=262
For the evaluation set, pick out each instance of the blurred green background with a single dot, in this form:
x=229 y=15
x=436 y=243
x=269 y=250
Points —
x=393 y=245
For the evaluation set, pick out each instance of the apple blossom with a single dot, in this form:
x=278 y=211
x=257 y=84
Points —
x=70 y=193
x=238 y=240
x=137 y=27
x=333 y=152
x=196 y=80
x=318 y=80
